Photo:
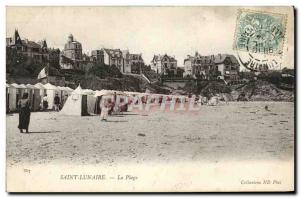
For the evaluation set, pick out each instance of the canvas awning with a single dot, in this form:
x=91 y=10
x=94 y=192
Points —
x=30 y=86
x=102 y=92
x=14 y=85
x=88 y=91
x=62 y=88
x=69 y=89
x=50 y=86
x=131 y=93
x=22 y=86
x=105 y=92
x=39 y=86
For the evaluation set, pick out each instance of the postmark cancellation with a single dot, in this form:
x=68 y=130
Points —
x=259 y=39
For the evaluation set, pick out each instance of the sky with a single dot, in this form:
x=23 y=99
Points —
x=176 y=31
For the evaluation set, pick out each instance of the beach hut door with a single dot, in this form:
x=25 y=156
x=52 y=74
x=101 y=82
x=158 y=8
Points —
x=17 y=97
x=84 y=111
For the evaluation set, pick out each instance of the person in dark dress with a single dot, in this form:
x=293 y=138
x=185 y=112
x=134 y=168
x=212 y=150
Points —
x=56 y=102
x=24 y=113
x=45 y=102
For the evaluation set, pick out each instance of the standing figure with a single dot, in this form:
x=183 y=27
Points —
x=113 y=104
x=24 y=113
x=45 y=102
x=56 y=102
x=105 y=107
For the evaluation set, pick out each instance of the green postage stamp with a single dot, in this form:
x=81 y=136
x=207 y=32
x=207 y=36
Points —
x=260 y=32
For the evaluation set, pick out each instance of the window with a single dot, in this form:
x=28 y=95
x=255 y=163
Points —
x=227 y=61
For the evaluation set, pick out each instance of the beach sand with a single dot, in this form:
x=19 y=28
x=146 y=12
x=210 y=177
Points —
x=238 y=131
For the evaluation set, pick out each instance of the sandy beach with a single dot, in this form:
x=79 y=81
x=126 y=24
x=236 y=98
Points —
x=237 y=131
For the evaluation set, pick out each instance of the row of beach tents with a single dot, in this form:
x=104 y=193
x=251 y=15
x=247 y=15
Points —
x=86 y=101
x=77 y=102
x=14 y=93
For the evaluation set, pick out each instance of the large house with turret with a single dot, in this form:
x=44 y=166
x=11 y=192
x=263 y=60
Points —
x=37 y=51
x=164 y=65
x=71 y=55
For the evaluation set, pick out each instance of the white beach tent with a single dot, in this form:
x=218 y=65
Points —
x=51 y=90
x=12 y=100
x=15 y=93
x=110 y=94
x=42 y=89
x=65 y=92
x=98 y=96
x=79 y=103
x=91 y=100
x=34 y=96
x=62 y=91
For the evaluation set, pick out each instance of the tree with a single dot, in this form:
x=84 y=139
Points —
x=19 y=64
x=104 y=71
x=180 y=72
x=54 y=58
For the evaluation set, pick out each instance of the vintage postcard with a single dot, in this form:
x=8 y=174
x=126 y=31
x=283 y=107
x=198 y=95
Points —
x=150 y=99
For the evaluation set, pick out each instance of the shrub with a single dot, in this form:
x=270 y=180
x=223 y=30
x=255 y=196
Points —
x=104 y=71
